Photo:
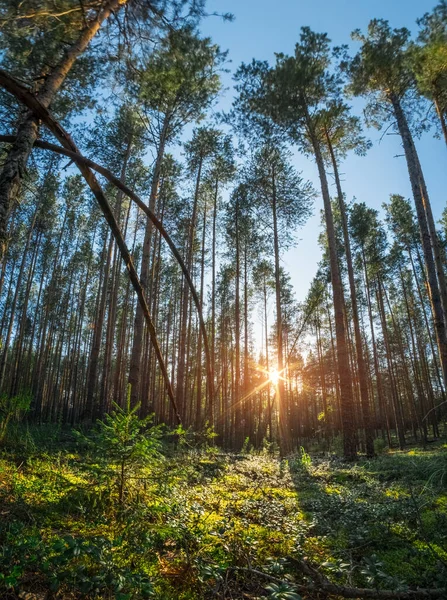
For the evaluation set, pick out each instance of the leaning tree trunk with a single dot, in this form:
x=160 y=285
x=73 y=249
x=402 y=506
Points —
x=135 y=377
x=23 y=95
x=15 y=163
x=415 y=180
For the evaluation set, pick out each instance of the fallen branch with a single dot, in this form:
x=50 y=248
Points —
x=321 y=583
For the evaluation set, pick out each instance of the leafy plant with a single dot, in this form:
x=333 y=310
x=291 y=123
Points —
x=379 y=446
x=302 y=462
x=281 y=591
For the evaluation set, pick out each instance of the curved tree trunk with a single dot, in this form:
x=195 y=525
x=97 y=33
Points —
x=15 y=164
x=23 y=95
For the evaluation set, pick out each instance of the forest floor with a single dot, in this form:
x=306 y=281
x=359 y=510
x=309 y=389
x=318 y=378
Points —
x=202 y=524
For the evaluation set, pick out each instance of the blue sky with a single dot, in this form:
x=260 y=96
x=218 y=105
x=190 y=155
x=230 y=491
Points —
x=262 y=28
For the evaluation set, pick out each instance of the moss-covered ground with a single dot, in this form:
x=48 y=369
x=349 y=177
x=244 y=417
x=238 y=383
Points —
x=201 y=524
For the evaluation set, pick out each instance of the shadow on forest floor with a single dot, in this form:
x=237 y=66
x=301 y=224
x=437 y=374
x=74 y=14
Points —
x=383 y=521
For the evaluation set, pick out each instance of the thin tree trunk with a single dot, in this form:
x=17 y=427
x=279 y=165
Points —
x=137 y=345
x=280 y=388
x=363 y=383
x=344 y=372
x=415 y=180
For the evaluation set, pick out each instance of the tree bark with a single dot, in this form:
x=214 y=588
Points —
x=414 y=172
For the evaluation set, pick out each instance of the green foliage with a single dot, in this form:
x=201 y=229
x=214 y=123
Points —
x=191 y=439
x=302 y=463
x=202 y=517
x=85 y=565
x=281 y=591
x=12 y=408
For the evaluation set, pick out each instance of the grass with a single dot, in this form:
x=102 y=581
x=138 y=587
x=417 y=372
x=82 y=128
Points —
x=197 y=524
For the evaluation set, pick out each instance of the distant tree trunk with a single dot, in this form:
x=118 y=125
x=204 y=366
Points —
x=19 y=341
x=396 y=404
x=237 y=412
x=424 y=313
x=213 y=288
x=181 y=368
x=15 y=298
x=267 y=363
x=248 y=405
x=327 y=418
x=199 y=333
x=114 y=287
x=419 y=411
x=383 y=409
x=92 y=406
x=284 y=441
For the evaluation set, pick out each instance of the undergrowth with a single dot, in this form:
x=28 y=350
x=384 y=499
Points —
x=197 y=524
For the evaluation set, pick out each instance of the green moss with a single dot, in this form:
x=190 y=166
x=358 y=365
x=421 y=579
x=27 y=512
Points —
x=194 y=516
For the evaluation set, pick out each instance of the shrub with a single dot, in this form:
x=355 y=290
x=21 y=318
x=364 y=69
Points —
x=379 y=446
x=12 y=408
x=127 y=441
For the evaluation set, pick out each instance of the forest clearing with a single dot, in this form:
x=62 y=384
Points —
x=223 y=299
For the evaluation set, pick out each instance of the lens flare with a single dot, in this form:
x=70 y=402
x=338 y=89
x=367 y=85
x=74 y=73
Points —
x=274 y=377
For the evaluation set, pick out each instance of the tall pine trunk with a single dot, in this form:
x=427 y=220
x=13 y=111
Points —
x=344 y=371
x=364 y=398
x=414 y=172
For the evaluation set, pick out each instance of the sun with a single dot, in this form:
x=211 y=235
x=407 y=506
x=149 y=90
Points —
x=274 y=377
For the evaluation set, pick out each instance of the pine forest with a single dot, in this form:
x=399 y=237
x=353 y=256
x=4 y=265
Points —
x=223 y=300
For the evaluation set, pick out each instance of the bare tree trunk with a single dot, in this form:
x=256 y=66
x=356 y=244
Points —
x=280 y=388
x=383 y=409
x=14 y=302
x=199 y=333
x=237 y=412
x=181 y=369
x=396 y=404
x=137 y=345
